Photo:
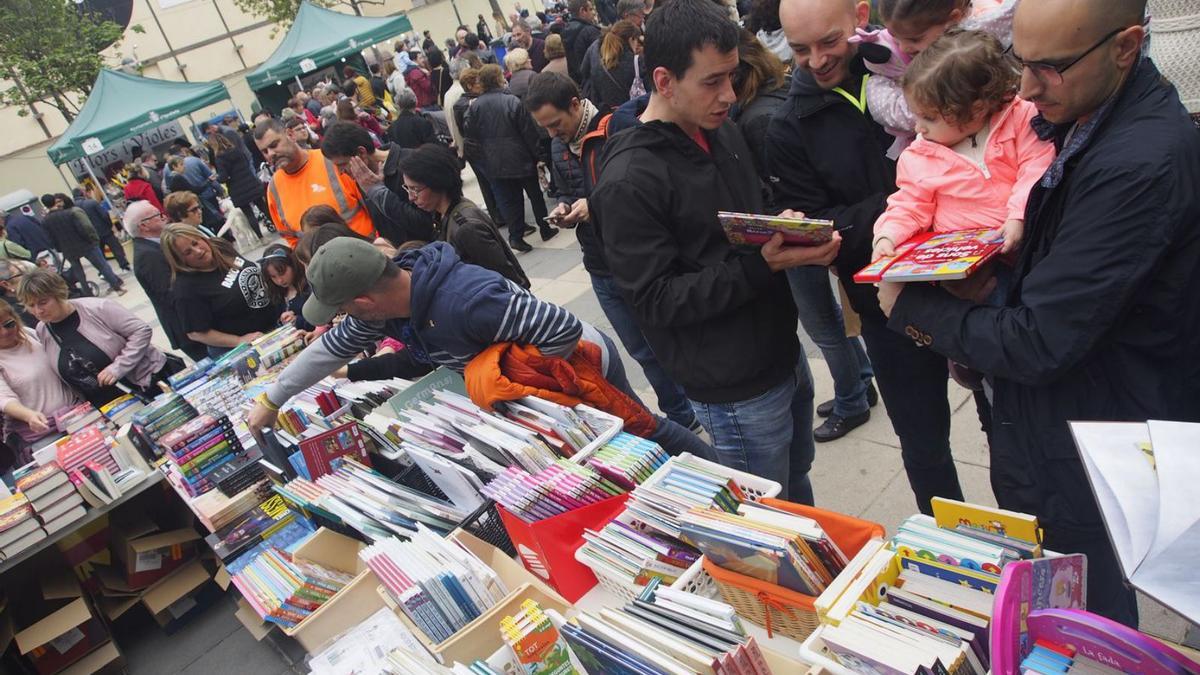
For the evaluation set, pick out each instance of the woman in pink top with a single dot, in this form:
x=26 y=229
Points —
x=30 y=391
x=976 y=157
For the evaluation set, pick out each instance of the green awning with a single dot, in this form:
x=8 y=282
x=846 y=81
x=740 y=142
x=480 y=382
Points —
x=122 y=105
x=319 y=37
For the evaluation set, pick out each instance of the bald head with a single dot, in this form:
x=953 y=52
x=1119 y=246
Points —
x=818 y=32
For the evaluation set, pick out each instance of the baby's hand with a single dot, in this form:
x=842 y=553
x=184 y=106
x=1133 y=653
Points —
x=1012 y=230
x=884 y=248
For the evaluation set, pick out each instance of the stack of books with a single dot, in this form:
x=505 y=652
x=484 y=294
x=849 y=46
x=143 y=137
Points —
x=218 y=395
x=198 y=448
x=19 y=529
x=54 y=499
x=92 y=445
x=120 y=411
x=634 y=556
x=251 y=529
x=72 y=420
x=440 y=586
x=666 y=631
x=678 y=487
x=367 y=501
x=555 y=490
x=287 y=589
x=535 y=641
x=768 y=544
x=164 y=414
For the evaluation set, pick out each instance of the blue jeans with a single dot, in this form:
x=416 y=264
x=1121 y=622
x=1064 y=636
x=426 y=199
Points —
x=96 y=257
x=671 y=436
x=769 y=435
x=671 y=399
x=821 y=318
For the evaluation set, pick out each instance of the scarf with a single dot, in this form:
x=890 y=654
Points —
x=589 y=111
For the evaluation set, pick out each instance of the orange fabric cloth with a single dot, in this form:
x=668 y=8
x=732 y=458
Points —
x=508 y=371
x=309 y=187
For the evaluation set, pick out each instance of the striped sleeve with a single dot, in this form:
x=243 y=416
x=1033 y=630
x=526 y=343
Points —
x=352 y=336
x=331 y=351
x=527 y=320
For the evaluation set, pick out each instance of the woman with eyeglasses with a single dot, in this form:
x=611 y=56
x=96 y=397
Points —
x=433 y=181
x=219 y=296
x=184 y=207
x=145 y=223
x=30 y=390
x=95 y=345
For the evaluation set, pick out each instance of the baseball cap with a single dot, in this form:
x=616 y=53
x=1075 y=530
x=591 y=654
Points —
x=341 y=270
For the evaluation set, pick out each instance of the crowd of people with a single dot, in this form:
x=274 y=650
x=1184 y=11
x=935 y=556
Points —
x=639 y=123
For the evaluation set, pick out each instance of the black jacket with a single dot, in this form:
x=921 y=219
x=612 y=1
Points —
x=394 y=215
x=610 y=88
x=233 y=169
x=478 y=241
x=1103 y=319
x=410 y=130
x=506 y=133
x=71 y=231
x=577 y=36
x=826 y=159
x=571 y=184
x=754 y=121
x=95 y=213
x=719 y=321
x=151 y=270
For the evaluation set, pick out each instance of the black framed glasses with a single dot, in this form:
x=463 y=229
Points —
x=1052 y=73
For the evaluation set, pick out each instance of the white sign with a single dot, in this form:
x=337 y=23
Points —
x=92 y=145
x=122 y=151
x=307 y=65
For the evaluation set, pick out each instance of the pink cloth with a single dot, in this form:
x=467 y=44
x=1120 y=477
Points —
x=28 y=376
x=941 y=190
x=118 y=333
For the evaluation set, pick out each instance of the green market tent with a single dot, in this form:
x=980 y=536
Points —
x=320 y=36
x=122 y=105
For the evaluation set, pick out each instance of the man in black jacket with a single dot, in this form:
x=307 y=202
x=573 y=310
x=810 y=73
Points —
x=581 y=31
x=826 y=157
x=104 y=227
x=73 y=235
x=1103 y=318
x=720 y=320
x=151 y=270
x=377 y=173
x=559 y=108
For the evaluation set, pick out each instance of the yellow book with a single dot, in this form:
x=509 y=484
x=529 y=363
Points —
x=950 y=513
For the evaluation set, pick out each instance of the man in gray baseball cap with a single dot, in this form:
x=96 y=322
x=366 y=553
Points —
x=445 y=311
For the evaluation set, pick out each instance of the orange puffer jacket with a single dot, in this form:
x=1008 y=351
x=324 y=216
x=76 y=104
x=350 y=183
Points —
x=508 y=371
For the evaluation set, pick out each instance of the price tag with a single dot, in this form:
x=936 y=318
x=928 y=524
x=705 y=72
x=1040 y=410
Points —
x=307 y=65
x=92 y=145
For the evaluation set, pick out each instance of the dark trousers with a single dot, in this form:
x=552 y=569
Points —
x=110 y=240
x=489 y=194
x=913 y=382
x=512 y=204
x=96 y=258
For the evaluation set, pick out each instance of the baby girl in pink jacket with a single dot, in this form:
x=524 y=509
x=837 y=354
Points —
x=976 y=157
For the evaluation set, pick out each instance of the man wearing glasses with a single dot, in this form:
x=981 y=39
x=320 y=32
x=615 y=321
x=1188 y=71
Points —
x=1102 y=319
x=145 y=223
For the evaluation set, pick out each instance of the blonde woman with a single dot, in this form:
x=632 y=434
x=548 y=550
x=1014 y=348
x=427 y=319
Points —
x=95 y=345
x=218 y=294
x=30 y=391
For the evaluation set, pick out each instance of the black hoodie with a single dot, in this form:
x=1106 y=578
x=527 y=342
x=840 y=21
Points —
x=826 y=158
x=720 y=322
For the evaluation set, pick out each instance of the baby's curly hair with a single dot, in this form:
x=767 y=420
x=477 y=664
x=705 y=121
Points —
x=958 y=70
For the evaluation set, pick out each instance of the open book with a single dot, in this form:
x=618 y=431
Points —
x=1144 y=476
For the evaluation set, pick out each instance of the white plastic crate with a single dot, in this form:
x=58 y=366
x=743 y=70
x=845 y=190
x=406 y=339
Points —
x=814 y=651
x=609 y=426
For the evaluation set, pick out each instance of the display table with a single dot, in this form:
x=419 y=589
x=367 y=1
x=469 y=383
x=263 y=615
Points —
x=147 y=482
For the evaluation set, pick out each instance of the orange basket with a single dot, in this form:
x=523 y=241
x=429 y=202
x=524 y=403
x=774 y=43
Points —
x=778 y=609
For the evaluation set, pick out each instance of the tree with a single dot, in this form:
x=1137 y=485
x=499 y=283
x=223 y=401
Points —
x=50 y=49
x=282 y=12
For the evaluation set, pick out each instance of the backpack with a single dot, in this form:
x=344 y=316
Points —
x=591 y=147
x=440 y=128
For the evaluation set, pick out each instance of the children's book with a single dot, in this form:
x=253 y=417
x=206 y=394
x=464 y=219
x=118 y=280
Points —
x=935 y=257
x=748 y=229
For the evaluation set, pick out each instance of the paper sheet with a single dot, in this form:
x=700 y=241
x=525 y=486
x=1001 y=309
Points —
x=1177 y=453
x=1125 y=485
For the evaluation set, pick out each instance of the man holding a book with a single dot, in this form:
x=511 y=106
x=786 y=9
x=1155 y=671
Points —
x=1103 y=318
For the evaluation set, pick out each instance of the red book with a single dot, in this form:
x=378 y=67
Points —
x=320 y=451
x=935 y=257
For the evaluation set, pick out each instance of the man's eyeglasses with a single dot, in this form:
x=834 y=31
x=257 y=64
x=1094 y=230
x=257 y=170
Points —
x=414 y=191
x=150 y=219
x=1052 y=73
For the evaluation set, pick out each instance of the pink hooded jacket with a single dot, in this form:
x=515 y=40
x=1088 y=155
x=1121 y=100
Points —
x=941 y=190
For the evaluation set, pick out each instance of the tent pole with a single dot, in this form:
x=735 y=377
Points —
x=87 y=164
x=64 y=177
x=299 y=84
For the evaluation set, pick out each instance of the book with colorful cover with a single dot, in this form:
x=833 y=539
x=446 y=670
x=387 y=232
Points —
x=1027 y=586
x=749 y=229
x=320 y=451
x=935 y=256
x=951 y=513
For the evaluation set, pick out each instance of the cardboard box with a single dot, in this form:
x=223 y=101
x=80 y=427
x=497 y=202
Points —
x=106 y=658
x=171 y=597
x=349 y=606
x=481 y=638
x=62 y=638
x=147 y=554
x=254 y=624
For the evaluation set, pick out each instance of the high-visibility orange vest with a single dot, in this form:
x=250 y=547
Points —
x=289 y=195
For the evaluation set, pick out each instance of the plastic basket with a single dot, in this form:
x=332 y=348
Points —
x=484 y=522
x=694 y=579
x=781 y=610
x=609 y=426
x=814 y=651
